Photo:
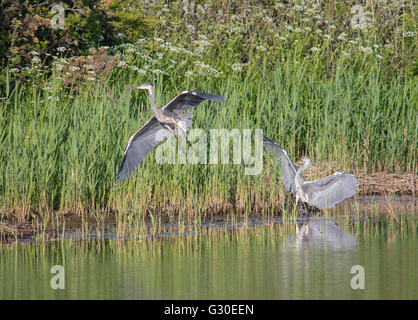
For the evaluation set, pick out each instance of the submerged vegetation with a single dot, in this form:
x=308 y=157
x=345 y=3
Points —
x=327 y=80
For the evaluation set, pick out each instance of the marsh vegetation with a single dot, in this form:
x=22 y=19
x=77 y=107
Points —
x=322 y=80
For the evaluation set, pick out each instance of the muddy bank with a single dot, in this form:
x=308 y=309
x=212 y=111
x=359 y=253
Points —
x=383 y=193
x=11 y=231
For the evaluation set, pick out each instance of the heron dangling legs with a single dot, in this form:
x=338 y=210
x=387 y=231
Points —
x=322 y=193
x=166 y=121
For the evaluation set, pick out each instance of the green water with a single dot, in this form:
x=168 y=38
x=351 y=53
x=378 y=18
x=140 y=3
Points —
x=270 y=261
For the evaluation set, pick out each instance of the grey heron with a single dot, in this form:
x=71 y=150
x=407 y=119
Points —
x=322 y=193
x=166 y=121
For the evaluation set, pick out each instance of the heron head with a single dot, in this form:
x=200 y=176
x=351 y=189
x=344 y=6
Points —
x=305 y=159
x=144 y=86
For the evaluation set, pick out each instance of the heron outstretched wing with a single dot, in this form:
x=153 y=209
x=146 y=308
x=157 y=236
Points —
x=139 y=145
x=288 y=167
x=190 y=99
x=331 y=190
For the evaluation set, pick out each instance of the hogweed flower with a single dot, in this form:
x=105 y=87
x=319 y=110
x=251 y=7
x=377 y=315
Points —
x=342 y=36
x=366 y=50
x=158 y=71
x=237 y=67
x=268 y=19
x=409 y=34
x=36 y=60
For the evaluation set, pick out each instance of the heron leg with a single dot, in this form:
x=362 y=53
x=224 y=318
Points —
x=188 y=142
x=177 y=137
x=303 y=206
x=305 y=209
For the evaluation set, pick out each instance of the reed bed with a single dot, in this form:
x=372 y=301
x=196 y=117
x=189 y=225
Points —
x=62 y=154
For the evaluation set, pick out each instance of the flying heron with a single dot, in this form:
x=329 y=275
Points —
x=322 y=193
x=166 y=121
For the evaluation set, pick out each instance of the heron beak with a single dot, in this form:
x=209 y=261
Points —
x=139 y=87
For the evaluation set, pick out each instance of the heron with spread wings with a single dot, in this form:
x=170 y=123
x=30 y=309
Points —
x=322 y=193
x=166 y=121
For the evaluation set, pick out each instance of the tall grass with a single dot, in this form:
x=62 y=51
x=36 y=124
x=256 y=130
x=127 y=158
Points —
x=60 y=150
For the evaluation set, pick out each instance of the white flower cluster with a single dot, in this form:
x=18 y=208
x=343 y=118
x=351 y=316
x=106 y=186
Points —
x=36 y=60
x=237 y=67
x=367 y=50
x=409 y=34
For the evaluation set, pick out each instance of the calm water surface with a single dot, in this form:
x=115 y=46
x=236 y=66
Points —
x=221 y=261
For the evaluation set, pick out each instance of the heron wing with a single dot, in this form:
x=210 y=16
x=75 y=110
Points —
x=331 y=190
x=140 y=144
x=190 y=99
x=287 y=165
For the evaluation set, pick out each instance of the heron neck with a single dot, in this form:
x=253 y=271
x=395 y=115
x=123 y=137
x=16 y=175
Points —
x=303 y=168
x=152 y=98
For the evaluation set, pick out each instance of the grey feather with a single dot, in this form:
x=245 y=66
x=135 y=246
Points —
x=331 y=190
x=190 y=99
x=287 y=165
x=139 y=145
